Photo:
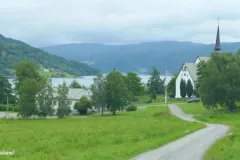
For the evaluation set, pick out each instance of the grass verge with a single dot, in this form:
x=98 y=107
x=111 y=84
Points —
x=193 y=108
x=101 y=138
x=159 y=103
x=227 y=148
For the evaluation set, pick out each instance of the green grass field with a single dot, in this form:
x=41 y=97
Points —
x=146 y=97
x=159 y=103
x=193 y=108
x=101 y=138
x=227 y=148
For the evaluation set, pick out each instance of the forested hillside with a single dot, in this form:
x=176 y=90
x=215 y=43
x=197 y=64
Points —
x=13 y=51
x=132 y=57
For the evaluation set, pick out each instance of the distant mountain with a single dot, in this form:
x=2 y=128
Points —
x=13 y=51
x=137 y=56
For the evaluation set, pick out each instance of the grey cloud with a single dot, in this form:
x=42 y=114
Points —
x=49 y=22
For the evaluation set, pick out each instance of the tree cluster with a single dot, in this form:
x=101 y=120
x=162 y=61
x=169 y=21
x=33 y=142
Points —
x=115 y=91
x=219 y=80
x=186 y=89
x=36 y=94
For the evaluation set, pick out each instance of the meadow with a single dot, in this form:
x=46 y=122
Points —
x=227 y=148
x=95 y=137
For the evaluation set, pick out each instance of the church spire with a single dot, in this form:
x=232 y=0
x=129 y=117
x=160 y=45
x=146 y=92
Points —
x=217 y=48
x=218 y=45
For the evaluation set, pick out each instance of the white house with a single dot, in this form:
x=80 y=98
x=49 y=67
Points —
x=74 y=94
x=188 y=71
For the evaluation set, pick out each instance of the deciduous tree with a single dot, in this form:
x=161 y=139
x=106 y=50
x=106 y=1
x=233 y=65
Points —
x=25 y=70
x=117 y=94
x=5 y=91
x=27 y=98
x=98 y=89
x=45 y=100
x=83 y=105
x=133 y=82
x=219 y=81
x=63 y=101
x=75 y=84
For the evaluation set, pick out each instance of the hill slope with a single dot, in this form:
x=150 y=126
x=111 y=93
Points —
x=13 y=51
x=134 y=56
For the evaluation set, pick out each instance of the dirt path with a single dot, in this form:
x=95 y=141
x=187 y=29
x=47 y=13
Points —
x=190 y=147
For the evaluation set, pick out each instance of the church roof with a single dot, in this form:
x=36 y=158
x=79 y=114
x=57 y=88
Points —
x=75 y=93
x=192 y=69
x=204 y=58
x=218 y=45
x=217 y=48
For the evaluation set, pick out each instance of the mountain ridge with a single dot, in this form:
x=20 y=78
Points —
x=14 y=51
x=131 y=57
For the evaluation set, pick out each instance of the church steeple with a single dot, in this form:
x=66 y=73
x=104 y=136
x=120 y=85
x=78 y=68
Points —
x=218 y=45
x=217 y=48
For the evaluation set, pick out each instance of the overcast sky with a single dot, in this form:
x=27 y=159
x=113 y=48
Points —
x=49 y=22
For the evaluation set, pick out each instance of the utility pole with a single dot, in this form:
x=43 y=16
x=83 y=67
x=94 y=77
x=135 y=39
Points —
x=166 y=86
x=7 y=108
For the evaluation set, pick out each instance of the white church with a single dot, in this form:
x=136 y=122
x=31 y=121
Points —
x=188 y=71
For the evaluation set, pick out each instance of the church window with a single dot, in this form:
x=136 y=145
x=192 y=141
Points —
x=184 y=68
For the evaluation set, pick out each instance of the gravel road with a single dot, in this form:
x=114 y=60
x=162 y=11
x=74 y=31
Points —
x=190 y=147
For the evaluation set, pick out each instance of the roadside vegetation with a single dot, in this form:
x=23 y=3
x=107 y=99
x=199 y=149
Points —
x=107 y=137
x=229 y=146
x=218 y=85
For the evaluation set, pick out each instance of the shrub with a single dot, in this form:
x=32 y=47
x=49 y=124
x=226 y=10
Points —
x=148 y=101
x=135 y=99
x=196 y=93
x=83 y=105
x=131 y=108
x=2 y=107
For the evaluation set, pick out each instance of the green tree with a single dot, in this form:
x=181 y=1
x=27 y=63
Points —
x=183 y=88
x=75 y=84
x=27 y=97
x=171 y=87
x=189 y=88
x=155 y=84
x=45 y=100
x=5 y=90
x=117 y=94
x=98 y=89
x=133 y=82
x=63 y=101
x=25 y=70
x=83 y=105
x=219 y=81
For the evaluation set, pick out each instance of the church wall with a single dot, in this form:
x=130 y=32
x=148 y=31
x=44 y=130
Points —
x=182 y=75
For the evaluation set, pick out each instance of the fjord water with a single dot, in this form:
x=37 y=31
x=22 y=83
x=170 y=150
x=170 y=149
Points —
x=88 y=80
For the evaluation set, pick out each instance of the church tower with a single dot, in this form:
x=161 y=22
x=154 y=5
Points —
x=217 y=48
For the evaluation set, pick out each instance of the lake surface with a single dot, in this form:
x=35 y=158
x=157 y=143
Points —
x=88 y=80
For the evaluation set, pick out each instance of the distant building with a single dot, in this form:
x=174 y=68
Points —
x=188 y=71
x=46 y=70
x=74 y=95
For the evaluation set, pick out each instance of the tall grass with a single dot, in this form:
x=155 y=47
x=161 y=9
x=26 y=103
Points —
x=94 y=138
